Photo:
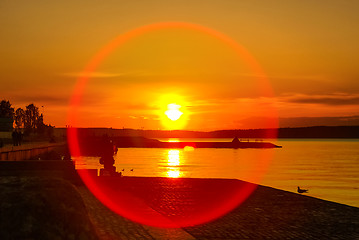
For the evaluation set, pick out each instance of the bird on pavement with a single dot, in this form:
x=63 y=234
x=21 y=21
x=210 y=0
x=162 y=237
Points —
x=299 y=190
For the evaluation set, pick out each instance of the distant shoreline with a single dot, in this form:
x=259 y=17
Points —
x=341 y=132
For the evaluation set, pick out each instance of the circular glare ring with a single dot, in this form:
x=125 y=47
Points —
x=124 y=205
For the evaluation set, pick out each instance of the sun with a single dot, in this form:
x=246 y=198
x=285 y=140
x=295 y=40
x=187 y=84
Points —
x=173 y=111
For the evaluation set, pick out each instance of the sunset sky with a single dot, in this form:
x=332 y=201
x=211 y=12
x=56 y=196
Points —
x=308 y=51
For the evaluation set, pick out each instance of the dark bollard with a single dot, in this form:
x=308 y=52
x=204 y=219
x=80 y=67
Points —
x=107 y=160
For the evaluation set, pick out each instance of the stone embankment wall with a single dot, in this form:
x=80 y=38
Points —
x=26 y=151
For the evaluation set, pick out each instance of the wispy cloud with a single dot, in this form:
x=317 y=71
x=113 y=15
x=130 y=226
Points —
x=284 y=77
x=319 y=121
x=94 y=74
x=43 y=99
x=257 y=122
x=140 y=117
x=331 y=99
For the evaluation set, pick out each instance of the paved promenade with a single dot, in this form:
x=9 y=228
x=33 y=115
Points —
x=268 y=214
x=111 y=226
x=52 y=208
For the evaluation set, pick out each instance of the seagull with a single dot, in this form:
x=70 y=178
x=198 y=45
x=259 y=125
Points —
x=131 y=170
x=299 y=190
x=123 y=169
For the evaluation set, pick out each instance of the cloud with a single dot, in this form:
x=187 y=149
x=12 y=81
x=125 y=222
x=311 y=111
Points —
x=263 y=122
x=139 y=117
x=331 y=100
x=43 y=99
x=285 y=77
x=319 y=121
x=139 y=73
x=94 y=74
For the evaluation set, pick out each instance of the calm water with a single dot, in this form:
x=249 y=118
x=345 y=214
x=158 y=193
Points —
x=328 y=168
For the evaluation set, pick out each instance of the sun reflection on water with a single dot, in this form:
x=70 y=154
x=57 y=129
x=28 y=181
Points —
x=174 y=173
x=173 y=162
x=173 y=158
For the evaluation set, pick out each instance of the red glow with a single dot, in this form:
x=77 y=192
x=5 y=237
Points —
x=208 y=202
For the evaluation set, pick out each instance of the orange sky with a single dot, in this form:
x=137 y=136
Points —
x=308 y=51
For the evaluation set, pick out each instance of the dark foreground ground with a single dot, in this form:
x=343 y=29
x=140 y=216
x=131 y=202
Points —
x=34 y=207
x=50 y=208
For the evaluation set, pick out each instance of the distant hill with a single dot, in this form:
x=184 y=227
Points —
x=320 y=132
x=300 y=132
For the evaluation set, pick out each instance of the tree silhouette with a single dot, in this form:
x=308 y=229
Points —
x=31 y=117
x=19 y=118
x=6 y=111
x=40 y=126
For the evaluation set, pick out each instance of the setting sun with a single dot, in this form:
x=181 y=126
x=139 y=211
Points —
x=173 y=112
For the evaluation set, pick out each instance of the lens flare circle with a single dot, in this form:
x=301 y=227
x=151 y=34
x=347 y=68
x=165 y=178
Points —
x=130 y=206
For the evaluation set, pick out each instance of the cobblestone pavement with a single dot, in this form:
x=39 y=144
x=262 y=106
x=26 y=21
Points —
x=267 y=214
x=275 y=214
x=111 y=226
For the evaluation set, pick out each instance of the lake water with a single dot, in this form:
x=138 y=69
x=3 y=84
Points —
x=328 y=168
